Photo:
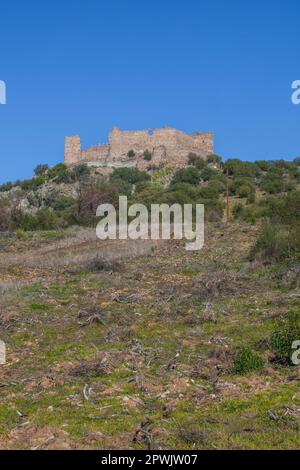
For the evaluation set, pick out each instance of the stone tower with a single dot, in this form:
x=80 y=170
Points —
x=72 y=150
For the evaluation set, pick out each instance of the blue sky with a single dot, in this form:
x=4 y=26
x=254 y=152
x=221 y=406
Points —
x=85 y=66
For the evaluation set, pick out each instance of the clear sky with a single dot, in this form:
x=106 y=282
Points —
x=74 y=66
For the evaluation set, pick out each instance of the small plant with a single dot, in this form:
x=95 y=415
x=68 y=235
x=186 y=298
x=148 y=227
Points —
x=99 y=264
x=192 y=435
x=131 y=154
x=20 y=233
x=147 y=155
x=286 y=331
x=246 y=361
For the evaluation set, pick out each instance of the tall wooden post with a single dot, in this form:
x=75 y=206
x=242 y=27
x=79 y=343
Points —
x=227 y=198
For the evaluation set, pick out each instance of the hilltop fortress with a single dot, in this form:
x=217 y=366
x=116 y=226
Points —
x=141 y=149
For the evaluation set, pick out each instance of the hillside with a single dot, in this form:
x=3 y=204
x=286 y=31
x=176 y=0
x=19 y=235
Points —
x=141 y=344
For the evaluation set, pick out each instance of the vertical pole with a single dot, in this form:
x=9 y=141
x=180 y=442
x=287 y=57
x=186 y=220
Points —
x=227 y=198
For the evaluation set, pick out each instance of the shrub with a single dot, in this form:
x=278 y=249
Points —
x=187 y=175
x=147 y=155
x=242 y=187
x=272 y=185
x=99 y=264
x=5 y=214
x=248 y=214
x=246 y=361
x=208 y=192
x=277 y=243
x=208 y=174
x=214 y=210
x=131 y=154
x=269 y=245
x=44 y=219
x=263 y=165
x=80 y=172
x=239 y=168
x=33 y=183
x=6 y=187
x=212 y=158
x=56 y=170
x=196 y=161
x=64 y=176
x=90 y=197
x=41 y=169
x=129 y=175
x=285 y=332
x=287 y=209
x=62 y=203
x=244 y=191
x=217 y=185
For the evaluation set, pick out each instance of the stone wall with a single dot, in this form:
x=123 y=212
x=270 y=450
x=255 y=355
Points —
x=72 y=150
x=168 y=146
x=99 y=153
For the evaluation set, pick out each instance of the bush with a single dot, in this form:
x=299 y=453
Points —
x=285 y=332
x=273 y=184
x=246 y=361
x=147 y=155
x=212 y=158
x=41 y=169
x=6 y=187
x=186 y=175
x=44 y=219
x=57 y=170
x=5 y=214
x=287 y=209
x=217 y=185
x=244 y=191
x=90 y=197
x=208 y=192
x=99 y=264
x=80 y=172
x=131 y=154
x=243 y=187
x=239 y=168
x=196 y=161
x=277 y=243
x=270 y=245
x=208 y=174
x=62 y=203
x=129 y=175
x=248 y=214
x=263 y=165
x=33 y=183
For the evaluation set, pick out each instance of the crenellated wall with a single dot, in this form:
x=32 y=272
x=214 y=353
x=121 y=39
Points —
x=172 y=146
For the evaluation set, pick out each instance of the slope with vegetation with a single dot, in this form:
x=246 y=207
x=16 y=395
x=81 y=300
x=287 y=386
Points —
x=141 y=344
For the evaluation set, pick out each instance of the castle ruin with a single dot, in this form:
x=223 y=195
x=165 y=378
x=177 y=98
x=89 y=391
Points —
x=165 y=146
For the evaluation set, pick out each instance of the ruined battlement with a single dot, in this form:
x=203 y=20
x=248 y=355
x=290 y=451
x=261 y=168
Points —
x=167 y=146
